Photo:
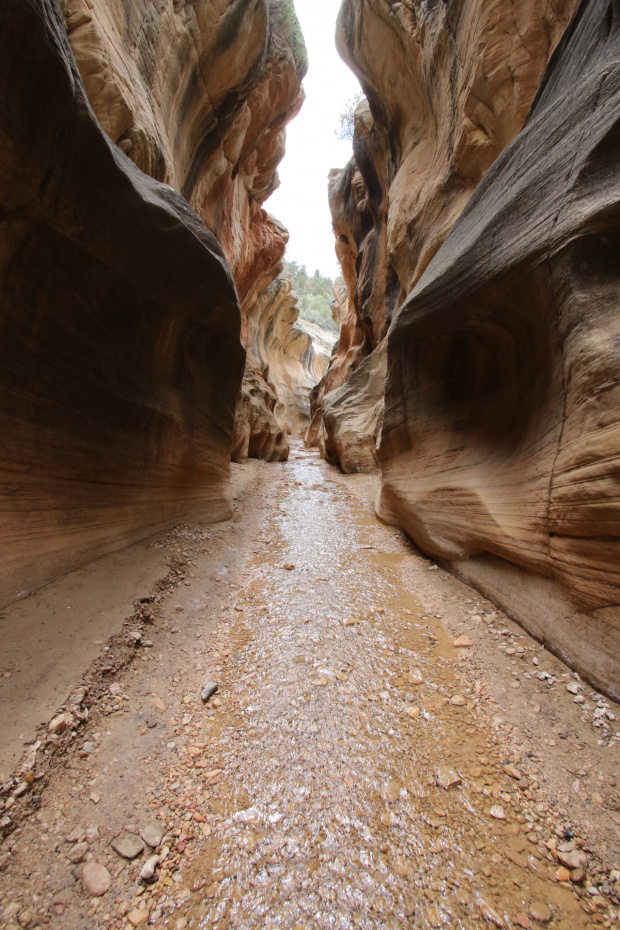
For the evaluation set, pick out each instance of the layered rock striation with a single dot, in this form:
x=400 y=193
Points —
x=120 y=358
x=293 y=354
x=501 y=437
x=448 y=87
x=198 y=95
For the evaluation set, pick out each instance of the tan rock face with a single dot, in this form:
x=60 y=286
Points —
x=211 y=122
x=120 y=358
x=292 y=354
x=501 y=430
x=257 y=433
x=449 y=85
x=353 y=415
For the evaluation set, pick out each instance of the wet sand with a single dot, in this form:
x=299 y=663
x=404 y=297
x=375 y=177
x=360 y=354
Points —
x=356 y=766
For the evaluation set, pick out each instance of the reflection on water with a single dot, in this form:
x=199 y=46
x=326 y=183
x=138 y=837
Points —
x=350 y=781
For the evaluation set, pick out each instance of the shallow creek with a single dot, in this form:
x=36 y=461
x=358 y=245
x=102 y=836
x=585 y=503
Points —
x=352 y=780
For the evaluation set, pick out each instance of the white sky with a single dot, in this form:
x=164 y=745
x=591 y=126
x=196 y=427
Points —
x=312 y=148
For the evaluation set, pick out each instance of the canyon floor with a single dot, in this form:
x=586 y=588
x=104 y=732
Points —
x=384 y=748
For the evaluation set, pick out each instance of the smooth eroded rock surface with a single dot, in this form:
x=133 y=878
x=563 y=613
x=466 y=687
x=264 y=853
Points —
x=120 y=358
x=449 y=85
x=293 y=354
x=353 y=415
x=211 y=123
x=501 y=431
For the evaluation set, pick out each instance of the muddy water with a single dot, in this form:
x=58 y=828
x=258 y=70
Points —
x=351 y=780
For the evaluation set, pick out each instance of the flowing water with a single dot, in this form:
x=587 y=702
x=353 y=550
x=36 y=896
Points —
x=353 y=780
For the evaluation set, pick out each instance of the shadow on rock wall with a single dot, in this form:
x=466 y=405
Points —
x=501 y=435
x=120 y=359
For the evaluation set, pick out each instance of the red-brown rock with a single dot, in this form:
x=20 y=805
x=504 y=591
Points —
x=120 y=358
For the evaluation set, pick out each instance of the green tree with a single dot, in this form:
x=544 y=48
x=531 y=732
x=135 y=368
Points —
x=314 y=294
x=346 y=130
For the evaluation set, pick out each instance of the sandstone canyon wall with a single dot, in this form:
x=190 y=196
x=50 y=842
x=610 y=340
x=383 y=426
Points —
x=120 y=358
x=288 y=358
x=448 y=87
x=198 y=94
x=501 y=437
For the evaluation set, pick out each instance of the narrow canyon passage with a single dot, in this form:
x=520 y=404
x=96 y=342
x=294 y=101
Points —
x=351 y=770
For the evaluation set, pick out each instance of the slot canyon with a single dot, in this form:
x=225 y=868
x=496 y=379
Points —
x=309 y=618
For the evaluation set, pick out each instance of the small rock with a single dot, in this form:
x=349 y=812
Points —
x=562 y=874
x=77 y=852
x=209 y=689
x=540 y=912
x=128 y=845
x=148 y=869
x=448 y=778
x=573 y=688
x=497 y=812
x=573 y=860
x=289 y=566
x=458 y=700
x=491 y=916
x=89 y=748
x=91 y=834
x=393 y=791
x=25 y=919
x=512 y=772
x=152 y=834
x=95 y=797
x=10 y=912
x=138 y=916
x=522 y=920
x=60 y=723
x=577 y=876
x=462 y=642
x=249 y=816
x=96 y=879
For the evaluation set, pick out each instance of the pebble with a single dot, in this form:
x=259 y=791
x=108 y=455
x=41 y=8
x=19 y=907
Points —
x=77 y=852
x=540 y=912
x=497 y=812
x=523 y=921
x=96 y=879
x=458 y=700
x=249 y=816
x=60 y=723
x=572 y=860
x=152 y=833
x=138 y=916
x=512 y=772
x=448 y=778
x=209 y=689
x=462 y=642
x=128 y=845
x=10 y=912
x=148 y=869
